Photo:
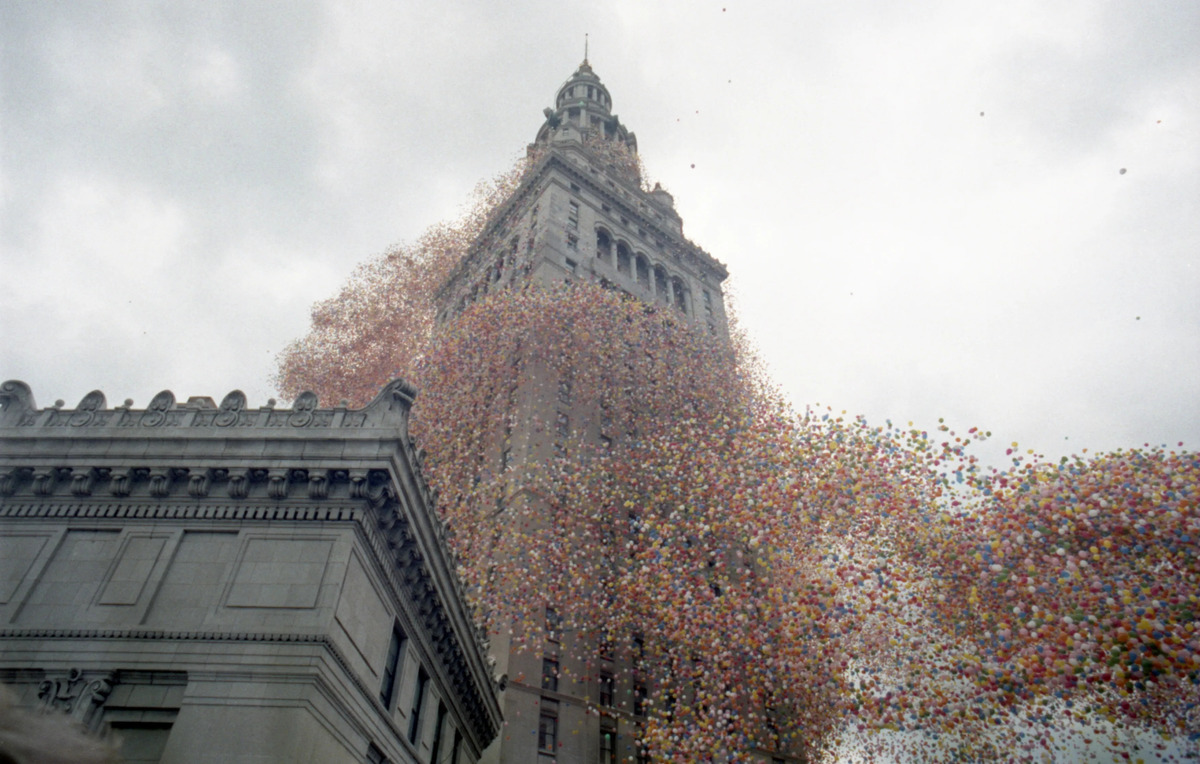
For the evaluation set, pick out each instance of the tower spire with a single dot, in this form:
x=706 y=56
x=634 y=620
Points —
x=585 y=47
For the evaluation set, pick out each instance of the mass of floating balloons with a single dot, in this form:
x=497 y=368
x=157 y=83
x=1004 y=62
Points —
x=800 y=578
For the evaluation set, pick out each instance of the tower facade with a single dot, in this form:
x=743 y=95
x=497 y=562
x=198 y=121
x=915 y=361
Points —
x=582 y=213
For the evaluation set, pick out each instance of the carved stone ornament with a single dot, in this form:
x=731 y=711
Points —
x=78 y=695
x=239 y=485
x=302 y=410
x=121 y=483
x=318 y=486
x=198 y=485
x=156 y=413
x=358 y=484
x=43 y=482
x=16 y=403
x=82 y=482
x=87 y=408
x=277 y=484
x=160 y=483
x=8 y=482
x=231 y=409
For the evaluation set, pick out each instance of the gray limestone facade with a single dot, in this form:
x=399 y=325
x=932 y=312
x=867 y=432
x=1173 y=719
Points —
x=225 y=583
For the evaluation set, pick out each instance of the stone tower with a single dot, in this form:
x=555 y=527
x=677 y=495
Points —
x=582 y=213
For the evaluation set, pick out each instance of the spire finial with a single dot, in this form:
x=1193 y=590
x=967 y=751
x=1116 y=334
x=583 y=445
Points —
x=585 y=47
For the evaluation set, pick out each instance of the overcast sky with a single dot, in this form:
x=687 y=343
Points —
x=983 y=211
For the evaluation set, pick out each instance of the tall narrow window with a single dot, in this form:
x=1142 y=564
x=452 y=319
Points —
x=548 y=731
x=603 y=246
x=643 y=271
x=391 y=667
x=573 y=215
x=608 y=745
x=414 y=720
x=677 y=292
x=554 y=625
x=562 y=425
x=607 y=687
x=437 y=733
x=639 y=697
x=564 y=391
x=550 y=674
x=660 y=283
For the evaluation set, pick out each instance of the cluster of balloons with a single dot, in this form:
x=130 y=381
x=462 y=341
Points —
x=802 y=580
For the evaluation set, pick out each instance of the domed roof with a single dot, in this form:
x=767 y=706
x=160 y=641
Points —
x=584 y=103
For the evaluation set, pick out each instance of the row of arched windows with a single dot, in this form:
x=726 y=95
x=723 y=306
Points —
x=637 y=267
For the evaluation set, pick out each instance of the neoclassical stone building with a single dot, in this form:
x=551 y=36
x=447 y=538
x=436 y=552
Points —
x=235 y=584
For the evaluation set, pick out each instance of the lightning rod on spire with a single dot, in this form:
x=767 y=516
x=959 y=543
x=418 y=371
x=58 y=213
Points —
x=585 y=47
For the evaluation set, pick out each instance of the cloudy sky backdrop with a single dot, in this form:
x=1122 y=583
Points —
x=988 y=212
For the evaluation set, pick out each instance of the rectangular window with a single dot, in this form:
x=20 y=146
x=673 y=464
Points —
x=550 y=674
x=548 y=731
x=639 y=698
x=554 y=625
x=562 y=425
x=374 y=755
x=391 y=667
x=414 y=720
x=607 y=687
x=606 y=647
x=573 y=215
x=564 y=391
x=437 y=733
x=573 y=244
x=608 y=745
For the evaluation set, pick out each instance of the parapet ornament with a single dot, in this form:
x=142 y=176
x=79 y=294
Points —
x=302 y=409
x=231 y=408
x=85 y=412
x=16 y=401
x=156 y=413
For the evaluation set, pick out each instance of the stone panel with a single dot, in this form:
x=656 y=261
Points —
x=18 y=552
x=280 y=573
x=128 y=577
x=193 y=581
x=363 y=616
x=71 y=579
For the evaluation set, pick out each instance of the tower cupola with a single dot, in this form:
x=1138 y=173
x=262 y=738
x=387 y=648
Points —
x=582 y=109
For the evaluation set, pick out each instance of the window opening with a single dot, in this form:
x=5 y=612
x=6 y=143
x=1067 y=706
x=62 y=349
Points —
x=623 y=258
x=608 y=745
x=391 y=667
x=607 y=687
x=550 y=674
x=414 y=721
x=437 y=733
x=548 y=731
x=643 y=271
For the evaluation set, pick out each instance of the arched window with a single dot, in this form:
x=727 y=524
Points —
x=623 y=259
x=643 y=271
x=678 y=292
x=603 y=245
x=660 y=283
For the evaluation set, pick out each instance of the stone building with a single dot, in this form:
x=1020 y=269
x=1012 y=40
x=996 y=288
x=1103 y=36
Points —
x=581 y=214
x=235 y=584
